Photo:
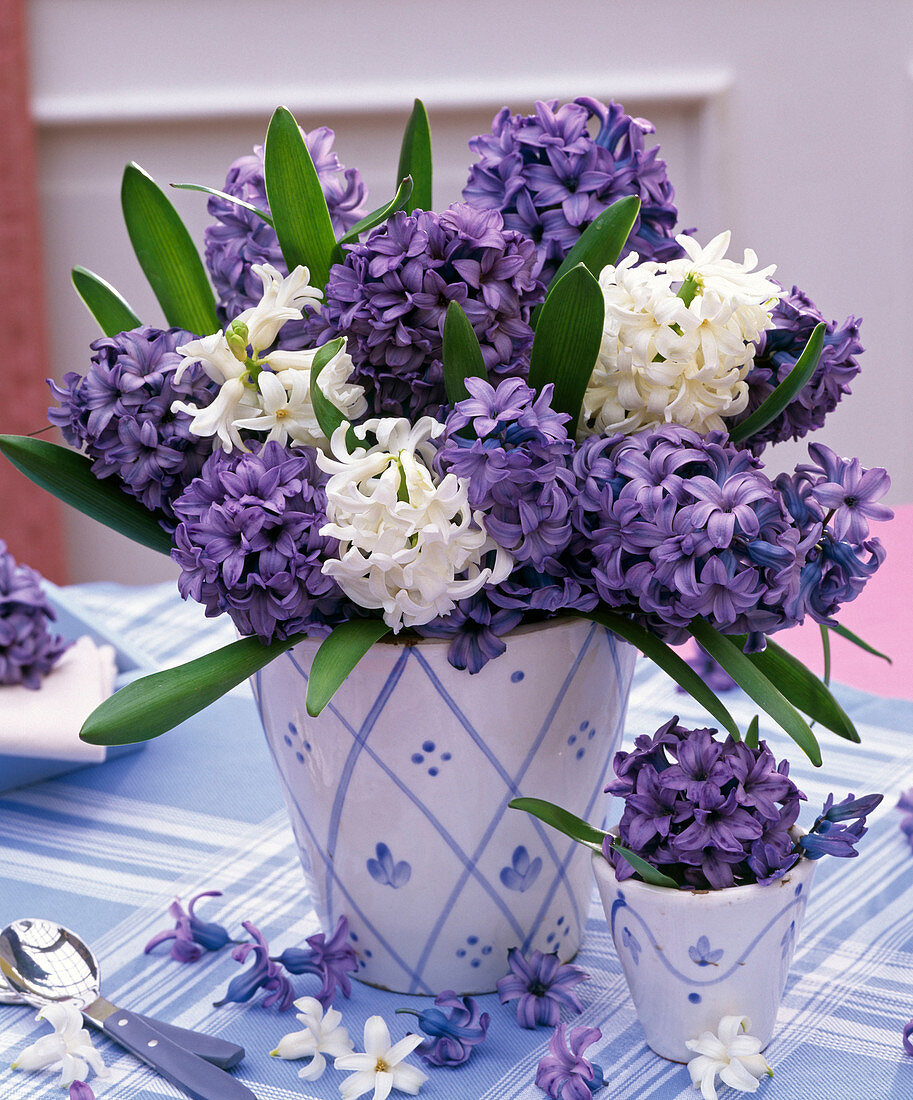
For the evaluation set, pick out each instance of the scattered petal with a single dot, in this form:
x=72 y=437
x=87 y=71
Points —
x=322 y=1034
x=732 y=1055
x=68 y=1049
x=190 y=935
x=564 y=1074
x=454 y=1035
x=540 y=985
x=265 y=975
x=381 y=1067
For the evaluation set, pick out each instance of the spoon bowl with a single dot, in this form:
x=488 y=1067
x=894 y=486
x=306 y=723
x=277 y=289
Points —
x=47 y=962
x=42 y=962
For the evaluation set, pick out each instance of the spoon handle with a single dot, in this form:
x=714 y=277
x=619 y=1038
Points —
x=198 y=1079
x=220 y=1052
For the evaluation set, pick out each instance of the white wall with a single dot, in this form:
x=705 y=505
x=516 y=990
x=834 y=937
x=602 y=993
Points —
x=789 y=123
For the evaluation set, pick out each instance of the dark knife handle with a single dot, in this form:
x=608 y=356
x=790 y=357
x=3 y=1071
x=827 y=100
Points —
x=197 y=1079
x=221 y=1053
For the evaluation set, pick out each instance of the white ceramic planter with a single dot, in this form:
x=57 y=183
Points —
x=398 y=797
x=691 y=958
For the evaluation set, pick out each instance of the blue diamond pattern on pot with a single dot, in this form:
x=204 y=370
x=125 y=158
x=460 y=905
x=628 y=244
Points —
x=458 y=843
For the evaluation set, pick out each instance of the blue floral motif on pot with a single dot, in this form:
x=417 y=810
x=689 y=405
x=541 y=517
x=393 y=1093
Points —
x=523 y=872
x=788 y=941
x=386 y=871
x=629 y=940
x=701 y=955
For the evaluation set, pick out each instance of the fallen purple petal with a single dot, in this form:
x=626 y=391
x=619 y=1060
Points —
x=264 y=975
x=541 y=985
x=564 y=1073
x=332 y=960
x=190 y=935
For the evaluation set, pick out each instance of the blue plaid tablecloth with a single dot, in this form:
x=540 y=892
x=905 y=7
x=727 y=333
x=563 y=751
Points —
x=104 y=850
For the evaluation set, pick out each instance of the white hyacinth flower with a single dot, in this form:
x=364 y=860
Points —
x=381 y=1067
x=68 y=1049
x=665 y=359
x=732 y=1055
x=267 y=391
x=409 y=544
x=323 y=1034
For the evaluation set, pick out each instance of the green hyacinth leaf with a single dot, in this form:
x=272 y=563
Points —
x=108 y=308
x=753 y=681
x=167 y=254
x=826 y=653
x=68 y=476
x=462 y=354
x=338 y=654
x=249 y=206
x=753 y=732
x=600 y=244
x=647 y=871
x=415 y=157
x=375 y=218
x=152 y=705
x=562 y=820
x=844 y=632
x=296 y=200
x=801 y=687
x=328 y=416
x=567 y=341
x=786 y=391
x=668 y=660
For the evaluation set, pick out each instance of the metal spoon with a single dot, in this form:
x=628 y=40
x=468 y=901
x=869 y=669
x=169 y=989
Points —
x=46 y=963
x=221 y=1053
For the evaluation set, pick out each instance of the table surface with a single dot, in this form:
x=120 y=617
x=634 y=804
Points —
x=104 y=850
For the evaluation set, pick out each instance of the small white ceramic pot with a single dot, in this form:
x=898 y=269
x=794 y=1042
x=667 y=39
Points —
x=692 y=957
x=398 y=797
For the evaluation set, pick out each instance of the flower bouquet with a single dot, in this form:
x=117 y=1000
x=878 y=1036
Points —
x=539 y=401
x=540 y=406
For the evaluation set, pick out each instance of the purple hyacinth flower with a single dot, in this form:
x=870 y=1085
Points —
x=651 y=810
x=709 y=814
x=264 y=974
x=240 y=238
x=699 y=761
x=190 y=936
x=720 y=824
x=680 y=525
x=79 y=1090
x=540 y=985
x=793 y=319
x=332 y=960
x=849 y=492
x=564 y=1073
x=908 y=1038
x=518 y=467
x=28 y=650
x=829 y=837
x=833 y=840
x=248 y=542
x=549 y=177
x=476 y=628
x=120 y=415
x=391 y=293
x=762 y=784
x=454 y=1034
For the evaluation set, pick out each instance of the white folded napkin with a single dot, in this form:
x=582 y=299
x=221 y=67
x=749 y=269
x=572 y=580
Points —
x=47 y=722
